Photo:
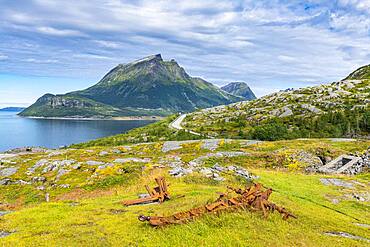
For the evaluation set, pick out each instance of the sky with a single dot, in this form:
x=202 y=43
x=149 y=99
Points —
x=49 y=46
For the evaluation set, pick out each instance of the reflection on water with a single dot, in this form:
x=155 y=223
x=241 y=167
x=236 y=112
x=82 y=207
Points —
x=16 y=131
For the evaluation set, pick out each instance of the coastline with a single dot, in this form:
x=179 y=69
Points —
x=123 y=118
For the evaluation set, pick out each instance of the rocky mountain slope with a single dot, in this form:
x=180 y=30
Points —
x=149 y=86
x=239 y=89
x=336 y=109
x=360 y=74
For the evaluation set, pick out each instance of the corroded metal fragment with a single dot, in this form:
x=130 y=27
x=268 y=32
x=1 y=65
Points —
x=253 y=197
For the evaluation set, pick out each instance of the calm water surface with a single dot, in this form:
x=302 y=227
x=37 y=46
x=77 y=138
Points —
x=16 y=131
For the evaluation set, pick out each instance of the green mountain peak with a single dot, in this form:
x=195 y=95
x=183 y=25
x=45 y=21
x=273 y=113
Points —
x=148 y=86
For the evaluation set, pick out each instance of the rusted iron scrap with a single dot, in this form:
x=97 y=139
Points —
x=253 y=198
x=157 y=194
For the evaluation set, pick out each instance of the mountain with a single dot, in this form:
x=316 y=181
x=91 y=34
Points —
x=13 y=109
x=239 y=89
x=149 y=86
x=330 y=110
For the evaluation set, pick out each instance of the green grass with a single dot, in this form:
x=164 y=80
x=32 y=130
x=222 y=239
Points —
x=158 y=131
x=89 y=213
x=104 y=221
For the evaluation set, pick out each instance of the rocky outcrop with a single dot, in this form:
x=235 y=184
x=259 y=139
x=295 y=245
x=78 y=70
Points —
x=239 y=89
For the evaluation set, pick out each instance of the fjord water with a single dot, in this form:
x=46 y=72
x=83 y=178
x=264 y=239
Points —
x=17 y=131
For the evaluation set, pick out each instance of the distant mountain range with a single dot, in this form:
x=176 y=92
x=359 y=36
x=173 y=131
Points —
x=13 y=109
x=330 y=110
x=239 y=89
x=149 y=86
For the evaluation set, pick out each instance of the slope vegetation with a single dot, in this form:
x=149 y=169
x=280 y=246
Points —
x=332 y=110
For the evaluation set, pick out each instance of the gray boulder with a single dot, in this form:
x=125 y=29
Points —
x=6 y=172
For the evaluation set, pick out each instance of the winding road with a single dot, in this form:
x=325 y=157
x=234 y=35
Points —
x=176 y=124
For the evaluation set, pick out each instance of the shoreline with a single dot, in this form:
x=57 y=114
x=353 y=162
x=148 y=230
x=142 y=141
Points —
x=123 y=118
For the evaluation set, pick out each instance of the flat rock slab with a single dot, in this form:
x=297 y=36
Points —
x=346 y=235
x=6 y=172
x=245 y=143
x=362 y=225
x=336 y=182
x=94 y=163
x=210 y=144
x=139 y=160
x=4 y=234
x=2 y=213
x=7 y=156
x=174 y=145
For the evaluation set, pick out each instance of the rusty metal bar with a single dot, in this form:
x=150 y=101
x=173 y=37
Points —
x=253 y=198
x=159 y=193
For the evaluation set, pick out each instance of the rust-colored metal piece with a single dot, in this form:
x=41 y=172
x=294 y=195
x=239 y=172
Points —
x=252 y=197
x=159 y=193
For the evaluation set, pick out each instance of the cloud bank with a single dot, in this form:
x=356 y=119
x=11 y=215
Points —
x=271 y=45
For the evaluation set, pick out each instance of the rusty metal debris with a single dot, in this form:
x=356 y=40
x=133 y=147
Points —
x=252 y=198
x=157 y=194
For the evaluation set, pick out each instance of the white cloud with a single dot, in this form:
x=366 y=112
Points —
x=59 y=32
x=108 y=44
x=35 y=60
x=91 y=56
x=3 y=57
x=261 y=42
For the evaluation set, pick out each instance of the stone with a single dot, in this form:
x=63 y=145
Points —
x=2 y=213
x=170 y=145
x=116 y=151
x=56 y=153
x=335 y=201
x=199 y=160
x=219 y=168
x=362 y=225
x=105 y=166
x=311 y=108
x=347 y=235
x=4 y=234
x=76 y=166
x=206 y=172
x=61 y=172
x=64 y=186
x=5 y=181
x=361 y=197
x=103 y=153
x=22 y=182
x=219 y=179
x=139 y=160
x=38 y=164
x=210 y=144
x=231 y=168
x=180 y=171
x=336 y=182
x=67 y=162
x=41 y=187
x=287 y=112
x=38 y=179
x=6 y=172
x=94 y=163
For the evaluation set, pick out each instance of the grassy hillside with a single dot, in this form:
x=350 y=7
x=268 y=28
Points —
x=333 y=110
x=85 y=208
x=158 y=131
